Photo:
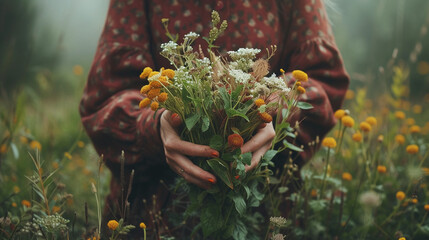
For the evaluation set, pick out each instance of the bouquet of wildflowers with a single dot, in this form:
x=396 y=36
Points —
x=223 y=101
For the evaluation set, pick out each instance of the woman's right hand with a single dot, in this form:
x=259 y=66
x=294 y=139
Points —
x=177 y=152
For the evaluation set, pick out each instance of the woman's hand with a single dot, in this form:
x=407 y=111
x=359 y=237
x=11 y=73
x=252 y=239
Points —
x=176 y=152
x=259 y=144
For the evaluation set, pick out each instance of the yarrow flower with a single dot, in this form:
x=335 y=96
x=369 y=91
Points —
x=329 y=142
x=112 y=225
x=247 y=53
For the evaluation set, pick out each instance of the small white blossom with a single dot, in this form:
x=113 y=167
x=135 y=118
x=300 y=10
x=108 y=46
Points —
x=191 y=36
x=169 y=47
x=276 y=82
x=370 y=199
x=248 y=53
x=240 y=76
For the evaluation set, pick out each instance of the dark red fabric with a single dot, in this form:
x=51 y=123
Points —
x=131 y=40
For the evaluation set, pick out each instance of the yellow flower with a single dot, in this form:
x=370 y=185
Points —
x=425 y=171
x=16 y=189
x=329 y=142
x=400 y=139
x=144 y=103
x=153 y=74
x=142 y=225
x=381 y=169
x=282 y=71
x=3 y=148
x=426 y=207
x=365 y=127
x=77 y=70
x=417 y=109
x=300 y=75
x=265 y=117
x=235 y=140
x=169 y=73
x=68 y=155
x=414 y=200
x=300 y=89
x=154 y=106
x=348 y=121
x=347 y=176
x=145 y=89
x=155 y=84
x=35 y=144
x=153 y=93
x=55 y=165
x=400 y=115
x=113 y=224
x=400 y=195
x=146 y=72
x=410 y=121
x=350 y=94
x=259 y=102
x=23 y=139
x=26 y=203
x=380 y=138
x=340 y=113
x=14 y=204
x=412 y=149
x=415 y=129
x=357 y=137
x=313 y=193
x=162 y=97
x=402 y=238
x=371 y=120
x=56 y=209
x=80 y=144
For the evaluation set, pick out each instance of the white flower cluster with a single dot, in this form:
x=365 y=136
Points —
x=240 y=76
x=53 y=223
x=191 y=36
x=275 y=82
x=246 y=53
x=168 y=47
x=182 y=76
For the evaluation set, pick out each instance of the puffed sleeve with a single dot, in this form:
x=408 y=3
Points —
x=109 y=106
x=310 y=47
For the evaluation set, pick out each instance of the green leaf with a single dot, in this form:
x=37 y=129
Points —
x=291 y=146
x=211 y=219
x=240 y=230
x=285 y=113
x=185 y=95
x=234 y=113
x=247 y=158
x=236 y=93
x=240 y=204
x=268 y=156
x=14 y=150
x=225 y=97
x=283 y=189
x=304 y=105
x=317 y=205
x=206 y=123
x=221 y=169
x=216 y=142
x=191 y=121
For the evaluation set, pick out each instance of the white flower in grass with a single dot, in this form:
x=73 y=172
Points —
x=240 y=76
x=168 y=47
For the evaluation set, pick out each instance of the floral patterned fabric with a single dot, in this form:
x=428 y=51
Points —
x=131 y=40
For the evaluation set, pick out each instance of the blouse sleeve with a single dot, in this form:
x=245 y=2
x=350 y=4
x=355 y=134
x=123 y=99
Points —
x=310 y=47
x=109 y=106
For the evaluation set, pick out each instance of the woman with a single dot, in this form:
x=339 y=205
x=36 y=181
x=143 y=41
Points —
x=131 y=41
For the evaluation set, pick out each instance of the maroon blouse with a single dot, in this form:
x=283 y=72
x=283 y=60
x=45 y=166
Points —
x=131 y=40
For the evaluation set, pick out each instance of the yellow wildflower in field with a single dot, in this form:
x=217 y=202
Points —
x=14 y=204
x=381 y=169
x=415 y=129
x=3 y=148
x=371 y=120
x=142 y=225
x=329 y=142
x=410 y=121
x=300 y=75
x=56 y=209
x=350 y=94
x=348 y=121
x=426 y=207
x=35 y=144
x=347 y=176
x=417 y=109
x=357 y=136
x=80 y=144
x=365 y=127
x=68 y=155
x=23 y=140
x=402 y=238
x=26 y=203
x=77 y=70
x=259 y=102
x=113 y=224
x=425 y=171
x=16 y=189
x=313 y=193
x=339 y=113
x=399 y=115
x=400 y=139
x=400 y=195
x=169 y=73
x=412 y=149
x=414 y=200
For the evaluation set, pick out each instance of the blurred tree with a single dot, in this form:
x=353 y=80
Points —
x=20 y=56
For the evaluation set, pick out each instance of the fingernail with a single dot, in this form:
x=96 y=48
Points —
x=237 y=176
x=215 y=154
x=211 y=180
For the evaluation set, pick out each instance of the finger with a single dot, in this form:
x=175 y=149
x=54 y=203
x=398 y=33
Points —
x=257 y=156
x=189 y=171
x=263 y=136
x=189 y=149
